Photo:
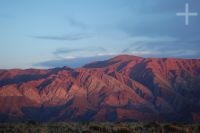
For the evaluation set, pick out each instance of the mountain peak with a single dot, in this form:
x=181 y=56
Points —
x=116 y=59
x=126 y=57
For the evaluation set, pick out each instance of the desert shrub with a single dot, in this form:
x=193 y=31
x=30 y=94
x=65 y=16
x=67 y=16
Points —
x=174 y=129
x=138 y=129
x=153 y=127
x=122 y=130
x=70 y=127
x=86 y=131
x=99 y=128
x=32 y=130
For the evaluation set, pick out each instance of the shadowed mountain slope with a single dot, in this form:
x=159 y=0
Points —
x=124 y=88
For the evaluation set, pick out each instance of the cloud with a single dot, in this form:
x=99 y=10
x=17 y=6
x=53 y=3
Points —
x=163 y=48
x=69 y=37
x=159 y=47
x=74 y=63
x=65 y=50
x=182 y=53
x=76 y=57
x=66 y=53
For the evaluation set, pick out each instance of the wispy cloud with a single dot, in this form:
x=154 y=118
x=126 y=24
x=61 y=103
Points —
x=164 y=48
x=76 y=57
x=64 y=51
x=68 y=53
x=151 y=47
x=74 y=63
x=68 y=37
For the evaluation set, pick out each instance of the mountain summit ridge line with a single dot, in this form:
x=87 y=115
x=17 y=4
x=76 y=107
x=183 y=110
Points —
x=123 y=88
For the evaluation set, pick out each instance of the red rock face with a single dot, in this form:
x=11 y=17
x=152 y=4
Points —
x=124 y=88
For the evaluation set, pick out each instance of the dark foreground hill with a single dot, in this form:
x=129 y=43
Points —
x=124 y=88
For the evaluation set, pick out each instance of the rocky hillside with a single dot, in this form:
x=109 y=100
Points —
x=124 y=88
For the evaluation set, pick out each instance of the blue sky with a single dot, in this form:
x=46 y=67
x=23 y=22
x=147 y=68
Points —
x=51 y=33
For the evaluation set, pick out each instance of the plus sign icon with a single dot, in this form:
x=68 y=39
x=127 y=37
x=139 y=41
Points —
x=187 y=14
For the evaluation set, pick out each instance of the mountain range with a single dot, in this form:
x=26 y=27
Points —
x=123 y=88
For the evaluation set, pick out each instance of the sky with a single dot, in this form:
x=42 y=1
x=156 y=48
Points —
x=55 y=33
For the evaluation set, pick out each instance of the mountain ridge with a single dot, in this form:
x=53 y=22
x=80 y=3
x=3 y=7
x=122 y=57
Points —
x=123 y=88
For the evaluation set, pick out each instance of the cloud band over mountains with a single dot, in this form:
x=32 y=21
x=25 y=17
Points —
x=70 y=37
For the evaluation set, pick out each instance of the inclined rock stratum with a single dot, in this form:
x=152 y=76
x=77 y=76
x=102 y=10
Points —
x=124 y=88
